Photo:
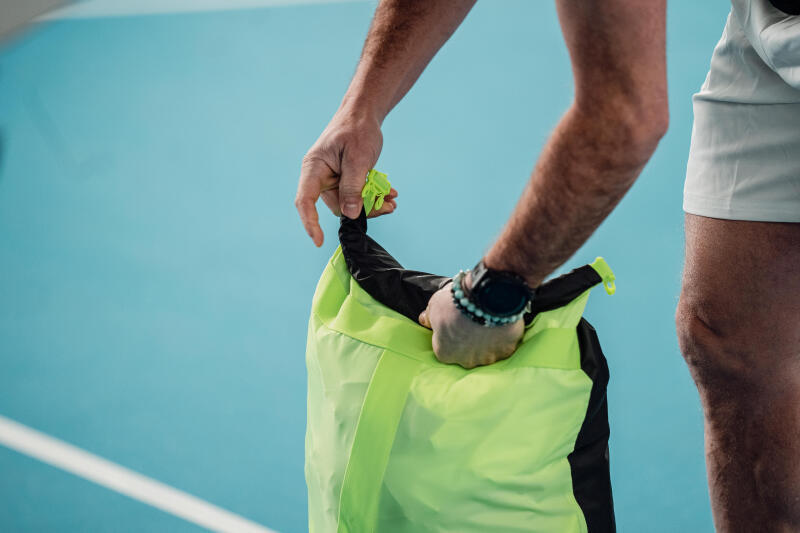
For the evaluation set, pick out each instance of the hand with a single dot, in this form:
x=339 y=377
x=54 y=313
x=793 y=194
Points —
x=336 y=168
x=457 y=339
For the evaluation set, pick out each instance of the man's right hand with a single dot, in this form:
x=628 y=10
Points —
x=336 y=168
x=402 y=39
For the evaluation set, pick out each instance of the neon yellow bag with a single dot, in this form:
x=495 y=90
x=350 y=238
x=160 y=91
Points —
x=399 y=442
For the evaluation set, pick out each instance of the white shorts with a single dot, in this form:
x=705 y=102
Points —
x=744 y=161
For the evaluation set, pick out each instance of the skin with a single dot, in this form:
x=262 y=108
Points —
x=595 y=153
x=449 y=327
x=403 y=38
x=739 y=332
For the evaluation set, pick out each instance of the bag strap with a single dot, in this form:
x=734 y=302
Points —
x=372 y=444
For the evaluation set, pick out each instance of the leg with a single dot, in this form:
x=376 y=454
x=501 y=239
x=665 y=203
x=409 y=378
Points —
x=739 y=330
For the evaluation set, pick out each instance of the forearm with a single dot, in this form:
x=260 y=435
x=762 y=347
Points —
x=602 y=143
x=403 y=38
x=585 y=169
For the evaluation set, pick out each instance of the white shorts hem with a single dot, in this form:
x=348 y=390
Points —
x=695 y=205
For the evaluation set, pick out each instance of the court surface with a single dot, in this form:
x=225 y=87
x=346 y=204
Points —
x=155 y=282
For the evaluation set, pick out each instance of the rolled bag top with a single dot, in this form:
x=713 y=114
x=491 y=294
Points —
x=367 y=273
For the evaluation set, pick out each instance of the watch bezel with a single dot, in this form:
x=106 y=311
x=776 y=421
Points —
x=483 y=277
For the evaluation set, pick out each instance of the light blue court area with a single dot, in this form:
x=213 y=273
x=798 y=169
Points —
x=155 y=282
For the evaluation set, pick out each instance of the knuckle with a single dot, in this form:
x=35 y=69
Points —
x=315 y=162
x=351 y=187
x=311 y=158
x=442 y=354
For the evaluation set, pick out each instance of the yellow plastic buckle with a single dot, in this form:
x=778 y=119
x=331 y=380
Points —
x=376 y=187
x=601 y=267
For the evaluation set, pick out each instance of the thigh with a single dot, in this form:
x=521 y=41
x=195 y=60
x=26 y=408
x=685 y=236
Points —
x=741 y=282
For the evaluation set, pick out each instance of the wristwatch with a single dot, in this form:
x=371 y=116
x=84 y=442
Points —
x=499 y=293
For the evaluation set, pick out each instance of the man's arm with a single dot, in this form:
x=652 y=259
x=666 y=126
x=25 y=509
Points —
x=604 y=140
x=595 y=154
x=404 y=36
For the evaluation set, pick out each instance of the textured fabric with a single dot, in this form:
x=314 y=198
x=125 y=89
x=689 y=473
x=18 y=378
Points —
x=398 y=442
x=744 y=161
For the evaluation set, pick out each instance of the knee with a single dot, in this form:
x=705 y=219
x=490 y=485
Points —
x=715 y=347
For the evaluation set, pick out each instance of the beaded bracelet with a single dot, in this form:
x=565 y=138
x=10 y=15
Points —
x=475 y=313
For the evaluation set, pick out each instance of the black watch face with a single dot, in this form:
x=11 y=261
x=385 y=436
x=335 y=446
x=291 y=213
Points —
x=502 y=297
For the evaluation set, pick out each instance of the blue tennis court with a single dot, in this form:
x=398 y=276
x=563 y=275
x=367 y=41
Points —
x=155 y=280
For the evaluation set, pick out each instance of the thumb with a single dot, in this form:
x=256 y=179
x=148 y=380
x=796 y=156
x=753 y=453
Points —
x=354 y=175
x=424 y=320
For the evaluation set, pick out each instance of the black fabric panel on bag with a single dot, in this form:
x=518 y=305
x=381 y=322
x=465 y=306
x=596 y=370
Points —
x=790 y=7
x=563 y=289
x=589 y=462
x=408 y=291
x=381 y=276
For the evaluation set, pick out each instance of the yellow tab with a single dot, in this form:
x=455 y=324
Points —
x=601 y=267
x=375 y=188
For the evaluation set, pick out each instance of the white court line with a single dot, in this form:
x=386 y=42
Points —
x=122 y=8
x=120 y=479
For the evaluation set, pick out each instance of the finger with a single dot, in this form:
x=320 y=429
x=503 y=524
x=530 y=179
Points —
x=388 y=207
x=331 y=199
x=354 y=174
x=312 y=173
x=505 y=355
x=424 y=319
x=310 y=218
x=389 y=204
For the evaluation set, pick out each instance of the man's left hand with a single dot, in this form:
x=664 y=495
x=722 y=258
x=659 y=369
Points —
x=459 y=340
